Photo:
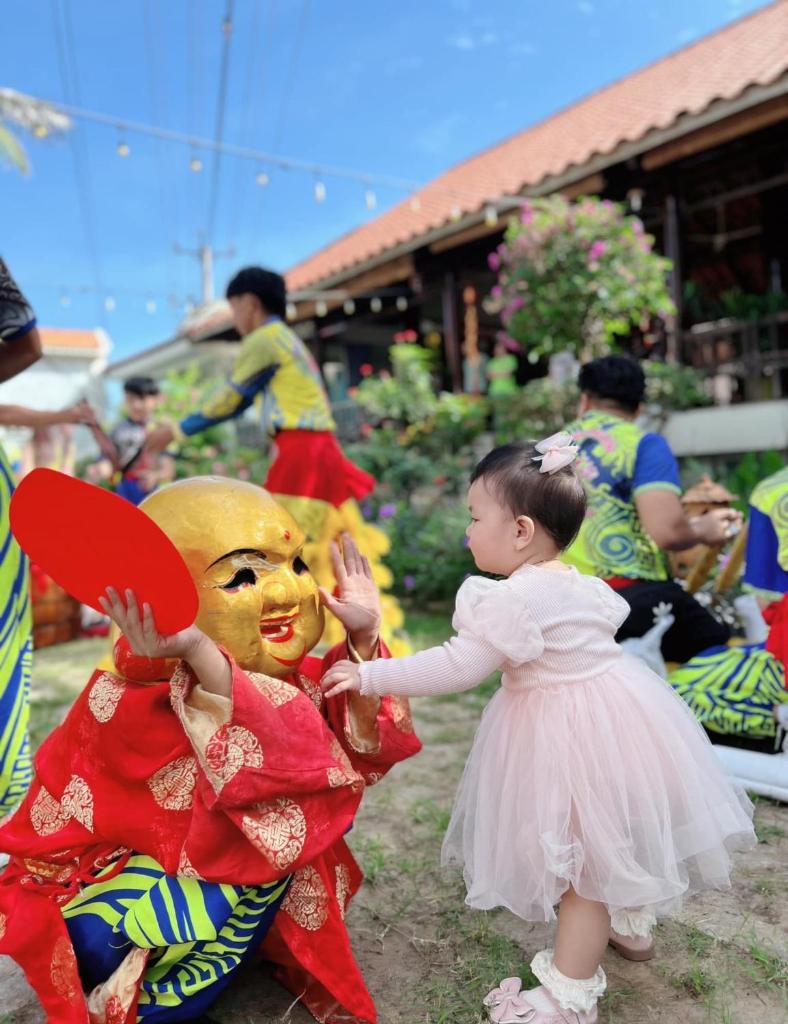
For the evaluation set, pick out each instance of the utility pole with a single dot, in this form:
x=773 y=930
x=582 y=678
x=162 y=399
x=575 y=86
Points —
x=206 y=256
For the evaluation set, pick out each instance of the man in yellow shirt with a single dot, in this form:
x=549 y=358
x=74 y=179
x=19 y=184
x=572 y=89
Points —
x=310 y=476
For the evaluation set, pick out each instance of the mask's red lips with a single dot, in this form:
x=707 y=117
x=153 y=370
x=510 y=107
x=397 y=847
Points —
x=278 y=630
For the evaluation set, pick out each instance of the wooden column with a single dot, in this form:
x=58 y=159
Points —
x=673 y=252
x=450 y=333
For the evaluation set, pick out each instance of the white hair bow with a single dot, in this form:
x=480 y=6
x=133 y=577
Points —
x=555 y=452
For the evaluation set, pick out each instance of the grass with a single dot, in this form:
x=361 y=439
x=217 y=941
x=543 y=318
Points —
x=697 y=982
x=371 y=852
x=698 y=943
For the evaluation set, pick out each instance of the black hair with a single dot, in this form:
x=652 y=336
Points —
x=142 y=386
x=557 y=501
x=268 y=286
x=616 y=379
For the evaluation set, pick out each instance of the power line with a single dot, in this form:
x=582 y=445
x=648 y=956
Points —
x=221 y=106
x=249 y=109
x=69 y=83
x=291 y=73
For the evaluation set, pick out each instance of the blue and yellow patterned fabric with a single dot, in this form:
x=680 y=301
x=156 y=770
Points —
x=16 y=652
x=617 y=462
x=199 y=934
x=275 y=363
x=16 y=648
x=767 y=536
x=732 y=690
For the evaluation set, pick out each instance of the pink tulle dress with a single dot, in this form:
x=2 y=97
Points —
x=586 y=770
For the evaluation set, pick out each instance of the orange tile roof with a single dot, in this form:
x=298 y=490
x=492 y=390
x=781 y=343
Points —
x=721 y=66
x=64 y=337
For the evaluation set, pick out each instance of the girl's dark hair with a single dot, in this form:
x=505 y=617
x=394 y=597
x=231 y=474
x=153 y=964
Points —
x=557 y=501
x=268 y=286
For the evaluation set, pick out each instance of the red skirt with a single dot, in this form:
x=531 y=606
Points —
x=310 y=464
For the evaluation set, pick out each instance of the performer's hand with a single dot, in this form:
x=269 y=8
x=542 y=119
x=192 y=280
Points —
x=81 y=412
x=358 y=604
x=717 y=525
x=140 y=629
x=342 y=676
x=159 y=438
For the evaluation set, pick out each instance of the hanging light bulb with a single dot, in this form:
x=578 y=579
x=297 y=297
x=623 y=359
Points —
x=370 y=199
x=150 y=307
x=490 y=216
x=320 y=308
x=415 y=204
x=195 y=164
x=320 y=192
x=262 y=178
x=376 y=305
x=456 y=213
x=402 y=303
x=124 y=149
x=291 y=311
x=349 y=307
x=109 y=304
x=41 y=131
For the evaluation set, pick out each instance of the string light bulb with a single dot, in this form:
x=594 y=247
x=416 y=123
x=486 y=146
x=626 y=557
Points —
x=402 y=303
x=195 y=164
x=320 y=308
x=320 y=192
x=262 y=178
x=490 y=216
x=349 y=307
x=456 y=213
x=291 y=311
x=376 y=305
x=370 y=199
x=150 y=307
x=415 y=204
x=124 y=149
x=40 y=131
x=109 y=304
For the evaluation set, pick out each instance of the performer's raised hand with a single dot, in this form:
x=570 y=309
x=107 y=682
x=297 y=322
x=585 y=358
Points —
x=358 y=605
x=342 y=676
x=140 y=630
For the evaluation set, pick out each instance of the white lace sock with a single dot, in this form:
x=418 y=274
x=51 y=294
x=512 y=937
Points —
x=577 y=994
x=633 y=924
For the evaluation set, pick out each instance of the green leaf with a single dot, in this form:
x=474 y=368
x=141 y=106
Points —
x=12 y=151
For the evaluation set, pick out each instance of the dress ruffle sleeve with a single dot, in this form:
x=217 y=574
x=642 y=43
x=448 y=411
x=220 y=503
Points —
x=497 y=614
x=616 y=608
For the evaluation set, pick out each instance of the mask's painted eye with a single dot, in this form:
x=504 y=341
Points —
x=300 y=567
x=243 y=578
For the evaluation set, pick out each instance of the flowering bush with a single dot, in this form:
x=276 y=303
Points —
x=405 y=397
x=575 y=276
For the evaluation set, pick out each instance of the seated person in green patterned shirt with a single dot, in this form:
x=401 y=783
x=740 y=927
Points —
x=634 y=510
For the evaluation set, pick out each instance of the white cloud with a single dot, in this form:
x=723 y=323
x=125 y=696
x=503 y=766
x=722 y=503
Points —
x=437 y=137
x=461 y=42
x=686 y=35
x=586 y=7
x=467 y=41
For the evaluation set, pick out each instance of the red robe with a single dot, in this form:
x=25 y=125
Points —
x=245 y=792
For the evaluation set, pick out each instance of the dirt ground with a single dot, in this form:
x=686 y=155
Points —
x=428 y=959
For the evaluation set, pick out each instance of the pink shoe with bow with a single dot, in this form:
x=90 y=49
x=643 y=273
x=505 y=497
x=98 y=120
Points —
x=507 y=1004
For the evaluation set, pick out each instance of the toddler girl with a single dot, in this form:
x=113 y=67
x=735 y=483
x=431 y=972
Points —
x=590 y=785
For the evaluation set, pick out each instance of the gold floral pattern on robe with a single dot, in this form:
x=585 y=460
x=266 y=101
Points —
x=105 y=696
x=173 y=784
x=307 y=900
x=278 y=830
x=48 y=814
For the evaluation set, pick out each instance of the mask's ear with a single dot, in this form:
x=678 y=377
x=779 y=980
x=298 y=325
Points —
x=88 y=539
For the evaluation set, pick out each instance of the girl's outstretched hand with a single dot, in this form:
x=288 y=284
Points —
x=140 y=630
x=342 y=676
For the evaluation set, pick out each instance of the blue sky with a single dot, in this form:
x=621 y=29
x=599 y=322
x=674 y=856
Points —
x=403 y=89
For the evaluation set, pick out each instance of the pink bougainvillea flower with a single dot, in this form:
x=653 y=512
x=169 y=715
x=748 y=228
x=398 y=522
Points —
x=496 y=292
x=494 y=261
x=596 y=251
x=526 y=213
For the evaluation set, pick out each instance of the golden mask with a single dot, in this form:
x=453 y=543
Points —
x=243 y=550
